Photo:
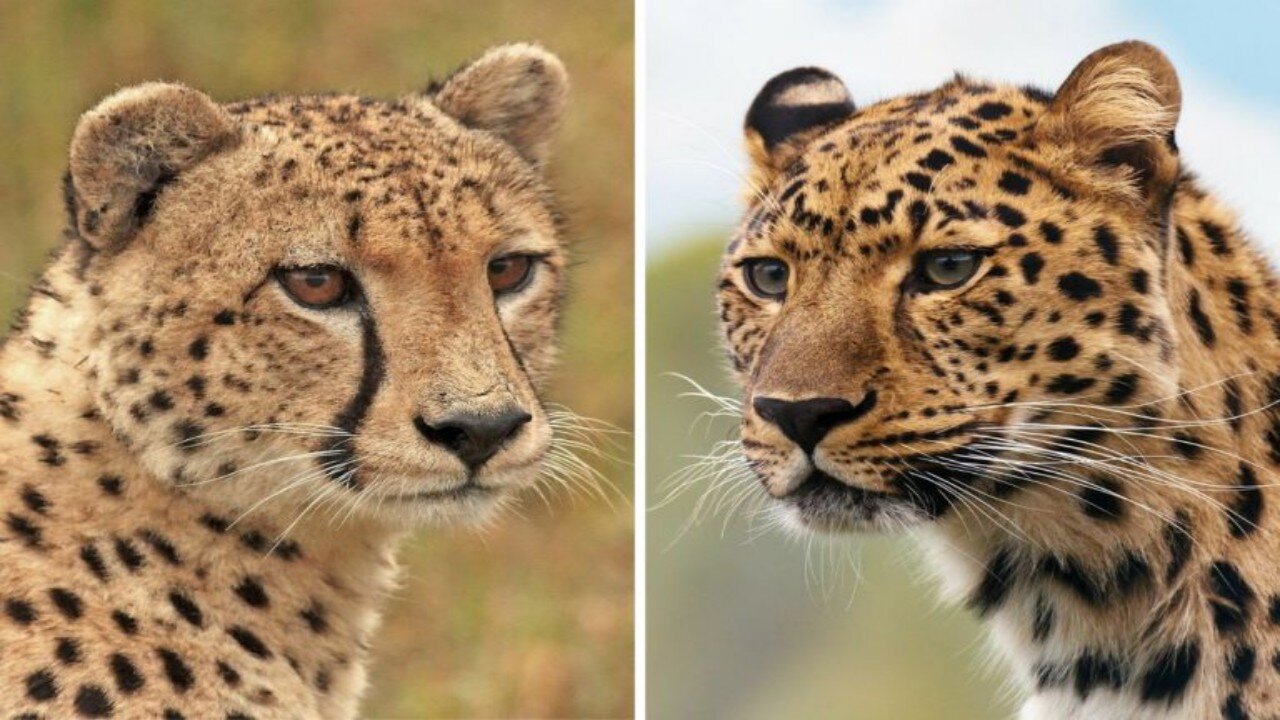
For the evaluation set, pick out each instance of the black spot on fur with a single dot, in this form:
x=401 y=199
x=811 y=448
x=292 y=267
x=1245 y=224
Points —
x=251 y=591
x=1243 y=661
x=41 y=686
x=1170 y=672
x=67 y=603
x=1103 y=499
x=1079 y=287
x=250 y=642
x=1107 y=245
x=1203 y=326
x=997 y=581
x=176 y=670
x=1009 y=216
x=1245 y=513
x=128 y=679
x=1233 y=597
x=93 y=702
x=186 y=608
x=1031 y=265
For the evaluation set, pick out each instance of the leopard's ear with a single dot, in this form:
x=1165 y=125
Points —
x=517 y=92
x=789 y=111
x=1118 y=110
x=125 y=150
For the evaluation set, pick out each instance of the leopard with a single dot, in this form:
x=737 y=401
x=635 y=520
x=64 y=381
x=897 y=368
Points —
x=279 y=335
x=1012 y=325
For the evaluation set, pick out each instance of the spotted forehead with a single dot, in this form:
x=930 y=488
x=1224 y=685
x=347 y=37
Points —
x=400 y=162
x=844 y=193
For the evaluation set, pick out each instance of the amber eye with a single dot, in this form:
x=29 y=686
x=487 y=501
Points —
x=510 y=273
x=946 y=269
x=317 y=286
x=767 y=277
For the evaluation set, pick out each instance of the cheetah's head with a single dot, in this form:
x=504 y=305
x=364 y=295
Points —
x=914 y=280
x=327 y=301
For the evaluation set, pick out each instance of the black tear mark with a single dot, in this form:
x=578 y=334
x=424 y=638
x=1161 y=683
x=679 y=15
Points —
x=340 y=466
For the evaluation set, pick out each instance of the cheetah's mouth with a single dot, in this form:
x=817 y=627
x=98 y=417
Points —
x=468 y=489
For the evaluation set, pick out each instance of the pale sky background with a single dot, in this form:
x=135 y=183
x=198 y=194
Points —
x=707 y=59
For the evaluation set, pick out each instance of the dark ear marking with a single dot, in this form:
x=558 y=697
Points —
x=128 y=148
x=1118 y=110
x=796 y=101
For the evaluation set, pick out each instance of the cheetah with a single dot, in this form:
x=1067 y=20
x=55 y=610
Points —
x=280 y=334
x=1012 y=324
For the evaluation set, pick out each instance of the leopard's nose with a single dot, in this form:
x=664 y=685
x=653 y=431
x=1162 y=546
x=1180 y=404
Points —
x=806 y=422
x=474 y=437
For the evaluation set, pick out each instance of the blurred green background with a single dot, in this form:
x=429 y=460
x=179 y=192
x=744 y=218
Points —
x=745 y=623
x=534 y=618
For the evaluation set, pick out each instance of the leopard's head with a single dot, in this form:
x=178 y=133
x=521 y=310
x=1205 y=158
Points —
x=915 y=280
x=327 y=301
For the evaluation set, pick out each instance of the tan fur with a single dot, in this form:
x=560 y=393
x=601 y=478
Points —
x=1122 y=332
x=167 y=412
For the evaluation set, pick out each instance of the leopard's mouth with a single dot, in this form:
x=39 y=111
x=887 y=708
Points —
x=920 y=492
x=826 y=504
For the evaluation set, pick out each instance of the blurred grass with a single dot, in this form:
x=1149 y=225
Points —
x=533 y=619
x=769 y=628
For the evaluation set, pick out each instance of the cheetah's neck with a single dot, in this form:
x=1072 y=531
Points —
x=326 y=585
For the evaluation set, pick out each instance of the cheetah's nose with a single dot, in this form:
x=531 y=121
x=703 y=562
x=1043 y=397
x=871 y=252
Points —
x=474 y=437
x=806 y=422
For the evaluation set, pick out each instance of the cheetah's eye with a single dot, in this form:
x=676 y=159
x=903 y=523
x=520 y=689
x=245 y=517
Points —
x=767 y=277
x=510 y=273
x=319 y=287
x=946 y=269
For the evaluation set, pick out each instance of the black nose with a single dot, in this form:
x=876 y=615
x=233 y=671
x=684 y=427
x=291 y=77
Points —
x=474 y=437
x=806 y=422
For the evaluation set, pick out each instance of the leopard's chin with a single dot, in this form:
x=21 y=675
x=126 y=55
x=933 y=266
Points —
x=825 y=504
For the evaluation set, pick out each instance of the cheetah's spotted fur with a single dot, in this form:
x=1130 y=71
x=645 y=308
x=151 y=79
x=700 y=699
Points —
x=203 y=481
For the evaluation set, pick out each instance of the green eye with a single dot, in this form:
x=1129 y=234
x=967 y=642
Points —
x=767 y=277
x=946 y=269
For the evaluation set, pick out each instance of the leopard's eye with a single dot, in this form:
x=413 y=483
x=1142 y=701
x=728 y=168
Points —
x=510 y=273
x=767 y=277
x=946 y=269
x=318 y=287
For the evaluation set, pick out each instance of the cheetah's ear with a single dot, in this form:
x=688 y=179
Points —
x=127 y=148
x=787 y=113
x=517 y=92
x=1118 y=108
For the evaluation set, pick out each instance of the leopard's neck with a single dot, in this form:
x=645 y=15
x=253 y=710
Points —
x=1138 y=584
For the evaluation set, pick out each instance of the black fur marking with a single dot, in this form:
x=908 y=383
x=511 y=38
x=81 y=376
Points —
x=1177 y=537
x=1245 y=514
x=249 y=642
x=1079 y=287
x=1097 y=670
x=997 y=581
x=1103 y=500
x=1233 y=597
x=176 y=670
x=352 y=415
x=1170 y=672
x=1204 y=328
x=1243 y=662
x=1107 y=245
x=775 y=123
x=145 y=203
